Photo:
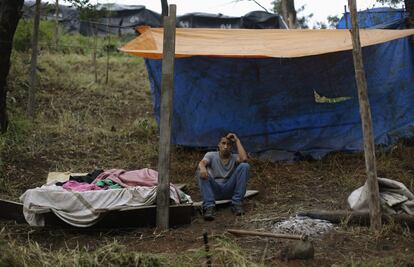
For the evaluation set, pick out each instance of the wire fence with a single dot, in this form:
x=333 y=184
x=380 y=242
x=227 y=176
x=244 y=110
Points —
x=103 y=48
x=94 y=47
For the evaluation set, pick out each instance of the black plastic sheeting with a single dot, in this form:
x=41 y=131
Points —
x=123 y=19
x=252 y=20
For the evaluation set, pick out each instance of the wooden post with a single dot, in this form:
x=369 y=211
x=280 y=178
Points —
x=166 y=110
x=31 y=104
x=92 y=24
x=95 y=44
x=346 y=17
x=107 y=59
x=365 y=112
x=56 y=24
x=108 y=35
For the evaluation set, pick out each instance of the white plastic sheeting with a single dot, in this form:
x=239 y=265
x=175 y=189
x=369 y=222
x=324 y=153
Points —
x=394 y=196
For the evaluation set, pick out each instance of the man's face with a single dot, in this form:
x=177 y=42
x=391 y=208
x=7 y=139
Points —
x=225 y=146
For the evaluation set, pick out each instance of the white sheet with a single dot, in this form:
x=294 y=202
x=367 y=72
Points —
x=84 y=209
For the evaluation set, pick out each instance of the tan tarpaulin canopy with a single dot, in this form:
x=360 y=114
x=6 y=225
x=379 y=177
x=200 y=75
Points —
x=255 y=43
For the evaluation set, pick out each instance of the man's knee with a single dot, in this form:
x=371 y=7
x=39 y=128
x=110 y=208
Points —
x=244 y=166
x=197 y=174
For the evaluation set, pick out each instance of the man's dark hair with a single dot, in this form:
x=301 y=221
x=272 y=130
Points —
x=225 y=136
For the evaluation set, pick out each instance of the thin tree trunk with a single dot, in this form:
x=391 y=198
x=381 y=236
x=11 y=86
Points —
x=95 y=44
x=56 y=24
x=289 y=13
x=409 y=7
x=10 y=13
x=107 y=60
x=31 y=104
x=107 y=50
x=365 y=112
x=120 y=28
x=164 y=10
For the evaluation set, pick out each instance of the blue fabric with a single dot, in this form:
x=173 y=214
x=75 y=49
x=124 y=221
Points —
x=233 y=188
x=269 y=102
x=382 y=18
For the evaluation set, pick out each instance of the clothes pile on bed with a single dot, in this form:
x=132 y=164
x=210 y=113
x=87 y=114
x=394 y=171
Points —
x=82 y=200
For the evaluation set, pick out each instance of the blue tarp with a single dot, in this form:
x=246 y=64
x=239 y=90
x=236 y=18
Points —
x=380 y=18
x=270 y=102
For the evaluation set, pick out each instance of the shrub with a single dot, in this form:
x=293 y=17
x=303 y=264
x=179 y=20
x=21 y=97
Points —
x=23 y=36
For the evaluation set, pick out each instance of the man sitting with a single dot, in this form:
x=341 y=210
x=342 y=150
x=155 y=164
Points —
x=223 y=175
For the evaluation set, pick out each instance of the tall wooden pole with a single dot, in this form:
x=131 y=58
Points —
x=365 y=112
x=56 y=24
x=166 y=112
x=95 y=44
x=31 y=104
x=346 y=17
x=108 y=35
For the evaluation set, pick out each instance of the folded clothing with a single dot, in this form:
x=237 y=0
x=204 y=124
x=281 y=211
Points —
x=142 y=177
x=80 y=186
x=107 y=183
x=88 y=178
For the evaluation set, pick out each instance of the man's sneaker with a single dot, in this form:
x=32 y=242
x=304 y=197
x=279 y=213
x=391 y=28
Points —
x=209 y=214
x=237 y=209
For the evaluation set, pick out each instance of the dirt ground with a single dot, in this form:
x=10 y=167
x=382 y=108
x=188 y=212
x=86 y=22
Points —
x=85 y=128
x=306 y=187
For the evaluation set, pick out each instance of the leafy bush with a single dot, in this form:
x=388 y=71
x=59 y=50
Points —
x=23 y=36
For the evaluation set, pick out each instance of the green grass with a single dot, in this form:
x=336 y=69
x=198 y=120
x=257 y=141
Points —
x=390 y=261
x=31 y=254
x=67 y=43
x=82 y=125
x=223 y=252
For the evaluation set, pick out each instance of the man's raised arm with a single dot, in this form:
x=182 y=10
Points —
x=240 y=149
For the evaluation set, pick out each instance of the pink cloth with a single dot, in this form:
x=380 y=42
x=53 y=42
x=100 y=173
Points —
x=142 y=177
x=77 y=186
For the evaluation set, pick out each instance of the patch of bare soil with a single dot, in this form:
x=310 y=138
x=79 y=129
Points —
x=284 y=190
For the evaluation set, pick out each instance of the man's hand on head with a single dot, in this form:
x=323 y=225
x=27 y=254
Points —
x=232 y=137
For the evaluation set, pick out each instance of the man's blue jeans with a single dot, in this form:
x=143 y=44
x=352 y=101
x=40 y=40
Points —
x=233 y=187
